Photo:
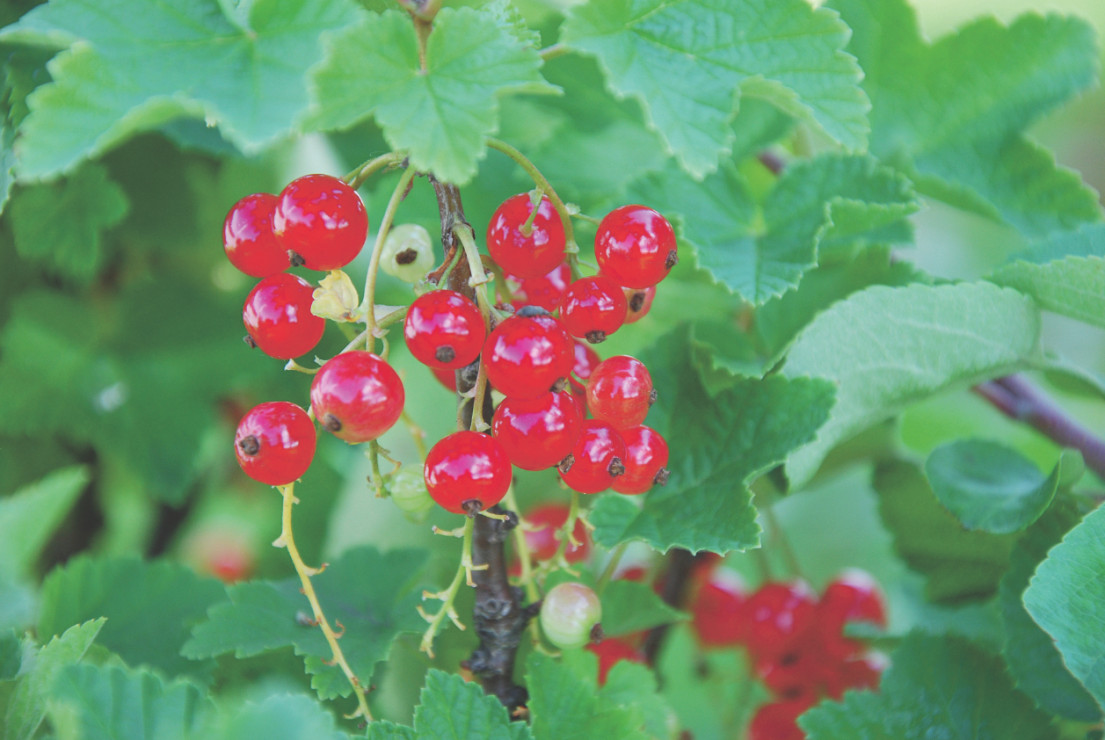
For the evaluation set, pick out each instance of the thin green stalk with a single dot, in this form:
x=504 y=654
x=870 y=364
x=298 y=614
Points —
x=368 y=305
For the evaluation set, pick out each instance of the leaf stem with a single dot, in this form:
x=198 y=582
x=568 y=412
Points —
x=449 y=595
x=357 y=177
x=611 y=568
x=545 y=187
x=305 y=572
x=1019 y=399
x=368 y=305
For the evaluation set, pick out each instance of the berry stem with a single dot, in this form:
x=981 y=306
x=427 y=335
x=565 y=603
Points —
x=521 y=549
x=305 y=572
x=545 y=187
x=611 y=568
x=368 y=306
x=357 y=177
x=418 y=435
x=449 y=595
x=567 y=532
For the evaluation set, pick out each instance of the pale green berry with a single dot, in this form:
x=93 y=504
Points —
x=408 y=253
x=408 y=491
x=569 y=613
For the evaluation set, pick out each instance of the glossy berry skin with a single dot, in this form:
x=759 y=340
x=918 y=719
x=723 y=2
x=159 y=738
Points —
x=467 y=467
x=586 y=360
x=275 y=443
x=596 y=458
x=638 y=302
x=612 y=651
x=357 y=396
x=569 y=612
x=248 y=240
x=716 y=609
x=544 y=523
x=777 y=616
x=537 y=433
x=447 y=378
x=322 y=220
x=646 y=455
x=635 y=246
x=620 y=392
x=579 y=397
x=444 y=330
x=853 y=596
x=525 y=356
x=277 y=316
x=778 y=720
x=526 y=255
x=544 y=291
x=593 y=308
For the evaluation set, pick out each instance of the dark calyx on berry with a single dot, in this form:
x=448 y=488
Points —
x=652 y=396
x=250 y=445
x=595 y=337
x=616 y=467
x=528 y=311
x=567 y=463
x=671 y=260
x=662 y=476
x=295 y=259
x=331 y=422
x=406 y=257
x=445 y=353
x=637 y=300
x=249 y=341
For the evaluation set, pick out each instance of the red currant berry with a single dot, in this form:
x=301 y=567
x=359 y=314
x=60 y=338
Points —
x=776 y=617
x=635 y=246
x=646 y=454
x=521 y=246
x=543 y=529
x=545 y=291
x=797 y=670
x=467 y=470
x=579 y=397
x=221 y=550
x=716 y=609
x=248 y=239
x=638 y=302
x=569 y=613
x=537 y=433
x=612 y=651
x=444 y=330
x=278 y=317
x=586 y=360
x=593 y=308
x=778 y=720
x=322 y=220
x=620 y=391
x=275 y=443
x=357 y=396
x=596 y=458
x=526 y=356
x=852 y=596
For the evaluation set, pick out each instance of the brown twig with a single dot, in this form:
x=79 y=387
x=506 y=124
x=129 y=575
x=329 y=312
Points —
x=1019 y=399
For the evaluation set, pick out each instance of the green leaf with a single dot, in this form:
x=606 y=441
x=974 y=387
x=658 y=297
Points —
x=60 y=225
x=760 y=252
x=443 y=114
x=565 y=702
x=629 y=607
x=717 y=446
x=277 y=717
x=1064 y=273
x=992 y=82
x=885 y=348
x=632 y=685
x=384 y=730
x=957 y=564
x=1033 y=660
x=935 y=687
x=11 y=654
x=113 y=703
x=131 y=66
x=150 y=607
x=454 y=708
x=1064 y=598
x=29 y=517
x=369 y=592
x=991 y=487
x=27 y=705
x=688 y=62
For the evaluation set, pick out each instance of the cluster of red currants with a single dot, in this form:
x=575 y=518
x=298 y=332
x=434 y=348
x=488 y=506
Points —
x=795 y=640
x=549 y=378
x=317 y=222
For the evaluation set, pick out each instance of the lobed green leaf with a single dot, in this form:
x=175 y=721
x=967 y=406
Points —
x=565 y=702
x=442 y=114
x=991 y=487
x=885 y=348
x=451 y=707
x=1065 y=273
x=629 y=607
x=1064 y=598
x=951 y=114
x=30 y=516
x=689 y=61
